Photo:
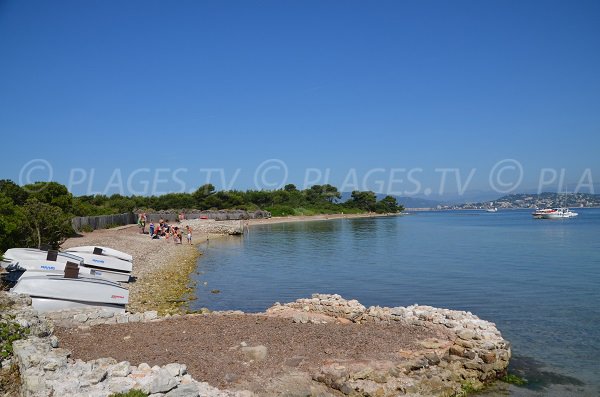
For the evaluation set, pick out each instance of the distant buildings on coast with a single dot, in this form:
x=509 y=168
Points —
x=524 y=200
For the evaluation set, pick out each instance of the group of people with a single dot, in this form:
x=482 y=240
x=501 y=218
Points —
x=164 y=230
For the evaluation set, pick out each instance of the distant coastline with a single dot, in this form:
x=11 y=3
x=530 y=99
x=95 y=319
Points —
x=310 y=218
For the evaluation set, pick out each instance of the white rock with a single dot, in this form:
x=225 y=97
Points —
x=81 y=317
x=121 y=369
x=163 y=382
x=257 y=353
x=176 y=369
x=150 y=315
x=184 y=391
x=120 y=384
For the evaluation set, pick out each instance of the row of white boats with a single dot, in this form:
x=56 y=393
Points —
x=79 y=277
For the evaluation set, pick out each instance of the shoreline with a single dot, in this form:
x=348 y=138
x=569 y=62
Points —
x=312 y=218
x=163 y=269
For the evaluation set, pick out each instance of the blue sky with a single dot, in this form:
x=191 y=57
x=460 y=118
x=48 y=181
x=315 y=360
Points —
x=147 y=96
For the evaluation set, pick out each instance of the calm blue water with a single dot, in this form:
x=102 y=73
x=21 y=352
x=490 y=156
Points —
x=538 y=280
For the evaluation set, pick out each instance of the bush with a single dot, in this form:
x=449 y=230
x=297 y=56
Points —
x=281 y=210
x=130 y=393
x=10 y=332
x=86 y=228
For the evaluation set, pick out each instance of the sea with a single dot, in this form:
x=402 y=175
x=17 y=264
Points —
x=537 y=280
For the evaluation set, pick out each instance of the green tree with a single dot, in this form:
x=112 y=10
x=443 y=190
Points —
x=12 y=233
x=331 y=193
x=52 y=193
x=47 y=224
x=389 y=205
x=202 y=193
x=13 y=191
x=365 y=201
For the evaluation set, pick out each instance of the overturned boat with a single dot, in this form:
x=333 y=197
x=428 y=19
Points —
x=53 y=292
x=14 y=255
x=28 y=267
x=108 y=267
x=104 y=251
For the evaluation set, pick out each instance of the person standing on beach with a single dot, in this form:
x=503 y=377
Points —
x=142 y=222
x=189 y=233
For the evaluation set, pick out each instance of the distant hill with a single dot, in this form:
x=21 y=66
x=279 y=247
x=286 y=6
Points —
x=416 y=202
x=542 y=200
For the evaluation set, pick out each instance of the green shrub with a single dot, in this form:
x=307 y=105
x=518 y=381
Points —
x=87 y=228
x=130 y=393
x=281 y=210
x=10 y=332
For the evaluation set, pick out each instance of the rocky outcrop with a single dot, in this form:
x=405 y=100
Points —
x=465 y=350
x=473 y=352
x=47 y=370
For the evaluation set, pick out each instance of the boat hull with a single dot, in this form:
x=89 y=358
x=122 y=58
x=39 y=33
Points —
x=14 y=255
x=45 y=305
x=109 y=267
x=55 y=292
x=104 y=251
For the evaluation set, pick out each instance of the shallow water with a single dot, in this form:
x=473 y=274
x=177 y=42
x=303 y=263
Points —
x=538 y=280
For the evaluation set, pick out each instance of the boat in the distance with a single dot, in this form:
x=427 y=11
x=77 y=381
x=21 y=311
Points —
x=54 y=292
x=493 y=209
x=554 y=213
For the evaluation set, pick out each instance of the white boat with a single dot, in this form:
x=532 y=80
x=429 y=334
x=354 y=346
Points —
x=494 y=209
x=105 y=251
x=54 y=292
x=28 y=267
x=109 y=267
x=554 y=213
x=14 y=255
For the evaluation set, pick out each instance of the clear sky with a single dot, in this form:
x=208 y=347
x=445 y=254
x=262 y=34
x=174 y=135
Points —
x=147 y=96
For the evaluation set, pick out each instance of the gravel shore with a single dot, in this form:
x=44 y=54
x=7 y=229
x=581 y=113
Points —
x=161 y=268
x=211 y=347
